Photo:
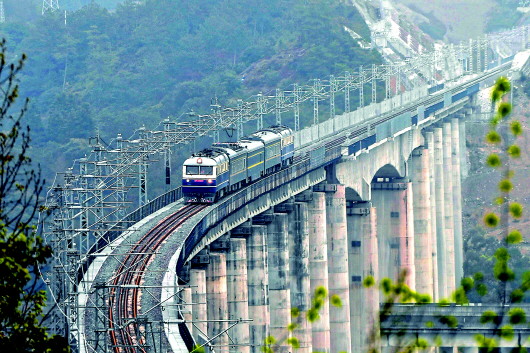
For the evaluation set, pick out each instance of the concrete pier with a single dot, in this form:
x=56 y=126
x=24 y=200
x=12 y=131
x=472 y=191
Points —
x=236 y=276
x=395 y=250
x=448 y=211
x=407 y=242
x=338 y=279
x=258 y=287
x=198 y=297
x=279 y=287
x=217 y=300
x=443 y=291
x=362 y=261
x=318 y=265
x=299 y=271
x=420 y=163
x=464 y=165
x=186 y=307
x=457 y=200
x=429 y=138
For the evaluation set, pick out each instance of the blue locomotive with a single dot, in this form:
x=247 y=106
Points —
x=227 y=166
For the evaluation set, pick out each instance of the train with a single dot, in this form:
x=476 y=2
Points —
x=228 y=166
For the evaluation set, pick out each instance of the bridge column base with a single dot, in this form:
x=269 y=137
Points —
x=258 y=287
x=338 y=281
x=318 y=268
x=299 y=271
x=279 y=290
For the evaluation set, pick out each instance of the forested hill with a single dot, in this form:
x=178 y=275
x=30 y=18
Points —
x=114 y=71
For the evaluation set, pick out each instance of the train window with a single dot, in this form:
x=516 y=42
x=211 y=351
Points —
x=192 y=170
x=206 y=170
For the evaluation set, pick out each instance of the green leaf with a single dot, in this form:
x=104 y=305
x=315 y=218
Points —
x=270 y=340
x=493 y=160
x=514 y=237
x=505 y=185
x=488 y=316
x=386 y=285
x=517 y=316
x=504 y=109
x=295 y=312
x=312 y=315
x=517 y=295
x=514 y=151
x=516 y=210
x=336 y=301
x=491 y=220
x=516 y=127
x=493 y=137
x=293 y=342
x=321 y=292
x=467 y=283
x=369 y=281
x=502 y=85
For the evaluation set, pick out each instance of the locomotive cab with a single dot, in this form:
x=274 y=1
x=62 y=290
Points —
x=203 y=175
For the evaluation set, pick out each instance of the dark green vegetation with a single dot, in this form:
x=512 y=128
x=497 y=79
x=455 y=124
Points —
x=22 y=298
x=433 y=27
x=504 y=16
x=480 y=258
x=113 y=72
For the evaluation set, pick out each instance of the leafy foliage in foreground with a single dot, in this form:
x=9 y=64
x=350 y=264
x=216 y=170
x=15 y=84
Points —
x=21 y=250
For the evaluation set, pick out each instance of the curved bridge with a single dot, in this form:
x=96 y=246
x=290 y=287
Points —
x=371 y=192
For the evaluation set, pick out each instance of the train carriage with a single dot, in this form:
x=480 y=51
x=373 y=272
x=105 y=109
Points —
x=228 y=166
x=255 y=159
x=237 y=155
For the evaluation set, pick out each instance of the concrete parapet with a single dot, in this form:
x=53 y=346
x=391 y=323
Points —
x=258 y=287
x=318 y=267
x=217 y=300
x=279 y=287
x=338 y=279
x=236 y=272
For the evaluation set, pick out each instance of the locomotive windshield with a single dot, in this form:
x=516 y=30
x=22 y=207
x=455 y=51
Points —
x=206 y=171
x=192 y=170
x=196 y=170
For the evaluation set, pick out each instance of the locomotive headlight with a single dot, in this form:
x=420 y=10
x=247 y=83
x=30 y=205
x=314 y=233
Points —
x=210 y=181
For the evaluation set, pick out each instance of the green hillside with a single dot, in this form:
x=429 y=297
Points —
x=114 y=71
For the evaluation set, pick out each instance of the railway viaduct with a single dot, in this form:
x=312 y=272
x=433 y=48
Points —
x=374 y=212
x=371 y=193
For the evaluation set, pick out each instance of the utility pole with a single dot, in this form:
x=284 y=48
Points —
x=49 y=6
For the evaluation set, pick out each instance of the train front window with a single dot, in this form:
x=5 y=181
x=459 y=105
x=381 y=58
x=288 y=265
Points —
x=192 y=170
x=206 y=170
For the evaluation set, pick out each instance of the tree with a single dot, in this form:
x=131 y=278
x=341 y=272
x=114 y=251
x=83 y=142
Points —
x=22 y=251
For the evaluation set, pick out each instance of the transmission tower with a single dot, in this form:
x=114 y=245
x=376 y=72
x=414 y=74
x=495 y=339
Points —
x=49 y=6
x=2 y=13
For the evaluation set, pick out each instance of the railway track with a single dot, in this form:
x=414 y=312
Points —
x=126 y=336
